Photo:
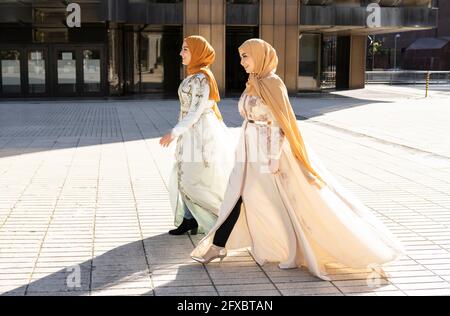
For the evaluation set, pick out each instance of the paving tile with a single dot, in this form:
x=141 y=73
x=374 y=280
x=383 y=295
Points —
x=86 y=183
x=311 y=291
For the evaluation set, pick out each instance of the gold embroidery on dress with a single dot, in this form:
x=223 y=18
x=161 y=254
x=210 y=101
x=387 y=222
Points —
x=187 y=99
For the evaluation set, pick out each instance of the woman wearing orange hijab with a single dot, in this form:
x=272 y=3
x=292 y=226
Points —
x=203 y=155
x=280 y=202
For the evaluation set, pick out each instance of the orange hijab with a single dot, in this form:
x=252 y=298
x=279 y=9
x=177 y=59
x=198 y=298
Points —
x=264 y=83
x=203 y=55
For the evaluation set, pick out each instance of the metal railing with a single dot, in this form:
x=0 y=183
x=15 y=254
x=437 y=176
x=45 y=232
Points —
x=382 y=3
x=408 y=77
x=328 y=79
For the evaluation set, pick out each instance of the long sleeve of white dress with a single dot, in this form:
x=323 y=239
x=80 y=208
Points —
x=276 y=143
x=200 y=101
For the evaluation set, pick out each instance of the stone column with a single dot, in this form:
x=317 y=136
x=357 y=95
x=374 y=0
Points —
x=279 y=26
x=207 y=18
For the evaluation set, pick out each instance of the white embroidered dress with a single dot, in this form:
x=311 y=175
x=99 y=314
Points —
x=204 y=155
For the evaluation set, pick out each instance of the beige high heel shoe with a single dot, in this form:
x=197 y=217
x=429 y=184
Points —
x=213 y=252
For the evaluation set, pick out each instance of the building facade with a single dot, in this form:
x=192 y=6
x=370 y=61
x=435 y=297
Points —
x=417 y=50
x=127 y=47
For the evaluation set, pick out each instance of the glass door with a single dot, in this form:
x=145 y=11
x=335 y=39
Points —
x=10 y=72
x=78 y=70
x=37 y=71
x=66 y=72
x=92 y=72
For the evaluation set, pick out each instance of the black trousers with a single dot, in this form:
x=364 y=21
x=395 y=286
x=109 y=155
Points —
x=224 y=231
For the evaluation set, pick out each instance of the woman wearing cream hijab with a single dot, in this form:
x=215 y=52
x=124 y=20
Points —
x=280 y=202
x=203 y=156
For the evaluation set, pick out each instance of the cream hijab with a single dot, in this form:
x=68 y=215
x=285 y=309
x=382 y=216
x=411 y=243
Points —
x=264 y=83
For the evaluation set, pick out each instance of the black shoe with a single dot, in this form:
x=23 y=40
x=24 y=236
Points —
x=186 y=225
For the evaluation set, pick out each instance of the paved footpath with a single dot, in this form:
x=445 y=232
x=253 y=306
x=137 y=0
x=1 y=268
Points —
x=84 y=208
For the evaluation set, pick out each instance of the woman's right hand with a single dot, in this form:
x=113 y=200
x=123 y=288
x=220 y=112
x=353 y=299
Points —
x=166 y=140
x=274 y=165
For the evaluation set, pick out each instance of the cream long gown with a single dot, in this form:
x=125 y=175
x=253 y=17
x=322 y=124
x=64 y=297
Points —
x=286 y=219
x=204 y=155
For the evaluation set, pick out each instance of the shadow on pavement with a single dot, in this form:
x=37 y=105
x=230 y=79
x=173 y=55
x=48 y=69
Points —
x=161 y=263
x=31 y=126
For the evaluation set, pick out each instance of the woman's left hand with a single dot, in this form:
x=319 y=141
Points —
x=166 y=140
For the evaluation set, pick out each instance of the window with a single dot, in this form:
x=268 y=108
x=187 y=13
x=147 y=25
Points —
x=10 y=70
x=36 y=71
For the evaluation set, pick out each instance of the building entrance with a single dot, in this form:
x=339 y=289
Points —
x=41 y=70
